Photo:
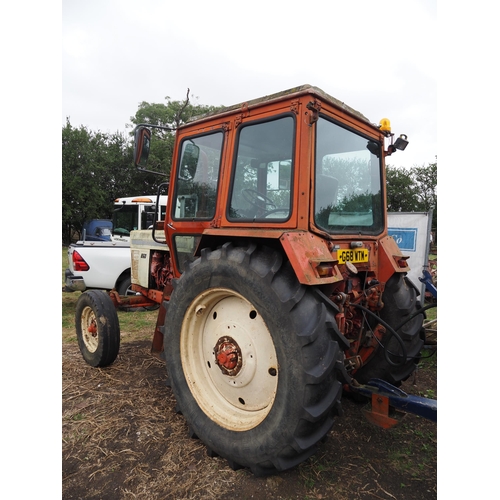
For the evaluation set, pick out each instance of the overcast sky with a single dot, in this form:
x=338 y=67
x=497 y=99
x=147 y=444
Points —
x=118 y=53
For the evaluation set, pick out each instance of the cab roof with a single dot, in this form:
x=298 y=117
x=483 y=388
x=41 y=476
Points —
x=285 y=94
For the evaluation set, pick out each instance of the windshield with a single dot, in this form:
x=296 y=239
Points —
x=103 y=231
x=347 y=179
x=125 y=219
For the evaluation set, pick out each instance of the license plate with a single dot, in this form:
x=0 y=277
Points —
x=354 y=256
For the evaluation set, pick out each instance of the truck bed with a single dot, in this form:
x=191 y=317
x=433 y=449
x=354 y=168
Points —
x=109 y=264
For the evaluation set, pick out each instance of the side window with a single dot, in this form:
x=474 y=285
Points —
x=262 y=177
x=185 y=246
x=147 y=216
x=198 y=177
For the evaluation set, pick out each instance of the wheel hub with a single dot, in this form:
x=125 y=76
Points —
x=228 y=359
x=228 y=356
x=92 y=329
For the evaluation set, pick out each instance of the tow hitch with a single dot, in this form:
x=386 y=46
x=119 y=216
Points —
x=385 y=397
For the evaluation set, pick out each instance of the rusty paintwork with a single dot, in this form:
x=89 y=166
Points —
x=391 y=260
x=306 y=251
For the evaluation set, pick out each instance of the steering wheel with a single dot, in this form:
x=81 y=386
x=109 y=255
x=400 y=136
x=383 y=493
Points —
x=258 y=200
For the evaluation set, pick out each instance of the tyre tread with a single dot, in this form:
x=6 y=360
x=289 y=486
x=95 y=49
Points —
x=314 y=321
x=108 y=328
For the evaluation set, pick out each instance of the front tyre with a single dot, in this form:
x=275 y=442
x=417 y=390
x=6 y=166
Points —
x=252 y=358
x=97 y=328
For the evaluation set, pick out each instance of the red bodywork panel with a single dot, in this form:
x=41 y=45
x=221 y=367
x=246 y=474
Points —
x=391 y=260
x=306 y=252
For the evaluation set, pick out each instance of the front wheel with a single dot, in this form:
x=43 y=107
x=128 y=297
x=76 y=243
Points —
x=97 y=328
x=252 y=358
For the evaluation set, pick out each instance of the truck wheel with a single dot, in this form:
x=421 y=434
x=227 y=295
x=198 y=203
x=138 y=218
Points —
x=251 y=358
x=97 y=328
x=125 y=288
x=400 y=305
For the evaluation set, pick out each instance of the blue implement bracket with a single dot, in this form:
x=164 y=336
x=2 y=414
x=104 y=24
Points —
x=427 y=279
x=384 y=395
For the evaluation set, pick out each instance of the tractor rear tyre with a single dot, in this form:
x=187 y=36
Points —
x=391 y=361
x=97 y=328
x=252 y=359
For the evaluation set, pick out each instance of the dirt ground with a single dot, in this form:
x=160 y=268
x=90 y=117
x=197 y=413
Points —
x=122 y=439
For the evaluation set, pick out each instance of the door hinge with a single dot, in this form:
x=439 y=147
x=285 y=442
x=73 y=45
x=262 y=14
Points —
x=314 y=107
x=244 y=113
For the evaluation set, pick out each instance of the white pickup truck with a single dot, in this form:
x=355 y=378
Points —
x=99 y=264
x=106 y=264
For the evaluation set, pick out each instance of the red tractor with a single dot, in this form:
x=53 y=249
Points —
x=277 y=282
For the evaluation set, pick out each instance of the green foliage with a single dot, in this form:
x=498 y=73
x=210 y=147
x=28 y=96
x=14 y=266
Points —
x=98 y=167
x=82 y=196
x=402 y=192
x=172 y=115
x=413 y=190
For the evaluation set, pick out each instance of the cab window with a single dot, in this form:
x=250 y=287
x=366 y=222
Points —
x=262 y=177
x=198 y=177
x=348 y=197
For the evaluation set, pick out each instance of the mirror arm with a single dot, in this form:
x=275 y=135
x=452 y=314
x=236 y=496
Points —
x=151 y=171
x=170 y=129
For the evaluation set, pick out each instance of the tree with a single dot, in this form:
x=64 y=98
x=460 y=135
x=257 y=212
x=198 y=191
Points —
x=413 y=190
x=171 y=115
x=426 y=179
x=97 y=167
x=402 y=191
x=81 y=195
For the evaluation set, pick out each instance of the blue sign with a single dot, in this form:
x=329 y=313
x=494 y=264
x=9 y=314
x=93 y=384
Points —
x=406 y=238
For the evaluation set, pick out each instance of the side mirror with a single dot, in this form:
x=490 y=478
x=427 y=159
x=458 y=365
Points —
x=189 y=161
x=142 y=141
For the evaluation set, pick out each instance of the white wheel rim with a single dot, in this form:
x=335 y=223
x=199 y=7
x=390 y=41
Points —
x=241 y=399
x=90 y=333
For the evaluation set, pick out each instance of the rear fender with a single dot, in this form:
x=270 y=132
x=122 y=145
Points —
x=305 y=251
x=308 y=253
x=390 y=260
